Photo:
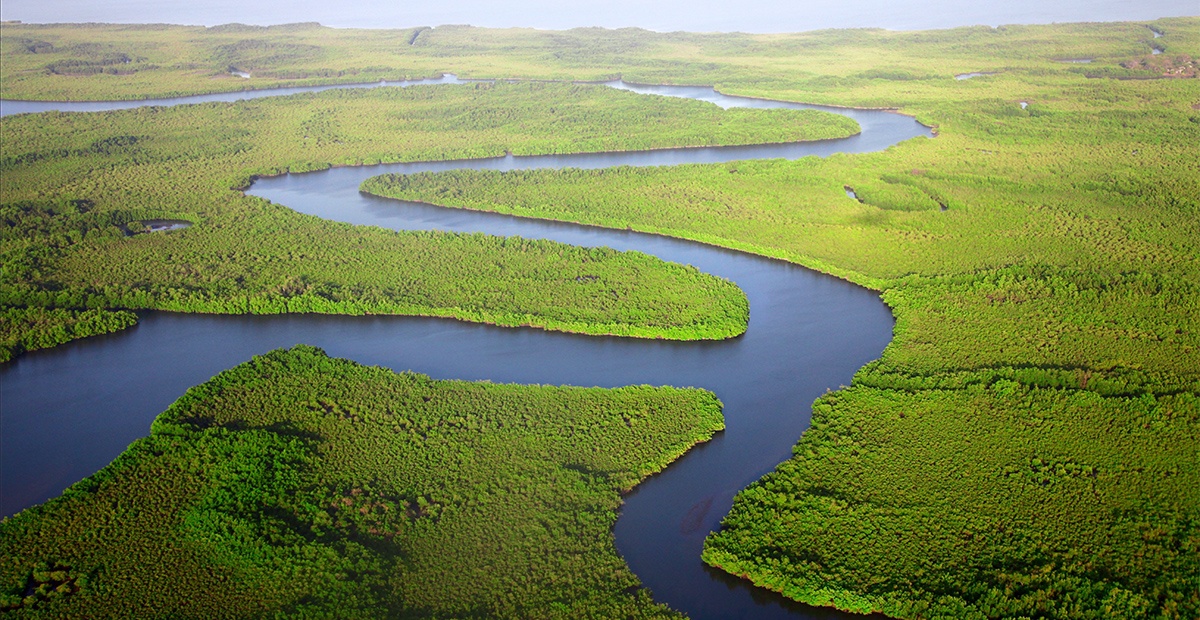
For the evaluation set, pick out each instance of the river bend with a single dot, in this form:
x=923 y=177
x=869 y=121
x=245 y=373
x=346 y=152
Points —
x=70 y=410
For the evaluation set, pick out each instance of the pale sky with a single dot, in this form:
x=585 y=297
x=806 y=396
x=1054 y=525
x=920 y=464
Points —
x=661 y=15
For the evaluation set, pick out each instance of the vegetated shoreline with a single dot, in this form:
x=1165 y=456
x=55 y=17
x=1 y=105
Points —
x=712 y=244
x=330 y=166
x=894 y=110
x=850 y=277
x=823 y=124
x=564 y=327
x=412 y=511
x=1085 y=362
x=827 y=105
x=962 y=77
x=620 y=77
x=722 y=244
x=938 y=384
x=469 y=79
x=450 y=316
x=679 y=334
x=249 y=88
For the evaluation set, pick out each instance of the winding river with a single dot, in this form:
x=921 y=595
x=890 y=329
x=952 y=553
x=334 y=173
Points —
x=70 y=410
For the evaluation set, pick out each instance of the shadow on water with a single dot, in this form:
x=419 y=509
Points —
x=70 y=410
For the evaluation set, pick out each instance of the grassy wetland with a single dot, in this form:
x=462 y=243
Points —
x=1029 y=444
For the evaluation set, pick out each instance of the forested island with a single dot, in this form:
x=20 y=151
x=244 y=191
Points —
x=1027 y=446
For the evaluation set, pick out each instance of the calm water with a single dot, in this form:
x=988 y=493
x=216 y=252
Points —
x=663 y=15
x=68 y=411
x=13 y=106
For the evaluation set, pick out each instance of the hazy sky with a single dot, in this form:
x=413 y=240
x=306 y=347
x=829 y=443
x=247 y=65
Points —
x=662 y=15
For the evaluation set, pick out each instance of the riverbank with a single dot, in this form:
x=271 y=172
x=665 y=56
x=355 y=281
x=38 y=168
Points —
x=254 y=258
x=1024 y=323
x=386 y=491
x=859 y=320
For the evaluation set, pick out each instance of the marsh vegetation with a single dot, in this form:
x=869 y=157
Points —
x=1027 y=444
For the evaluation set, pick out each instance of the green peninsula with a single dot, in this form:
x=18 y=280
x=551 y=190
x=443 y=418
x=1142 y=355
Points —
x=301 y=485
x=77 y=188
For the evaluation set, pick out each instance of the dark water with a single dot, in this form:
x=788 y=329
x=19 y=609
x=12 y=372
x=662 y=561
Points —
x=70 y=410
x=663 y=15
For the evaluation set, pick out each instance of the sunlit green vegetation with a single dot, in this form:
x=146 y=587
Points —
x=1028 y=444
x=301 y=485
x=992 y=499
x=74 y=183
x=75 y=62
x=26 y=329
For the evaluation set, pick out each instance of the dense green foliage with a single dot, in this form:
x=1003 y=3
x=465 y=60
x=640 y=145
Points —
x=74 y=183
x=1028 y=444
x=991 y=500
x=26 y=329
x=300 y=485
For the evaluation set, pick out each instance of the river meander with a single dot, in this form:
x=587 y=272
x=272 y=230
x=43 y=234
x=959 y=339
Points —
x=70 y=410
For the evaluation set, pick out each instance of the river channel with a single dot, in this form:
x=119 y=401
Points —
x=70 y=410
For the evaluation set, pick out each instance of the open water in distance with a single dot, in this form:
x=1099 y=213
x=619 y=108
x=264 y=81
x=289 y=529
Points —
x=18 y=106
x=70 y=410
